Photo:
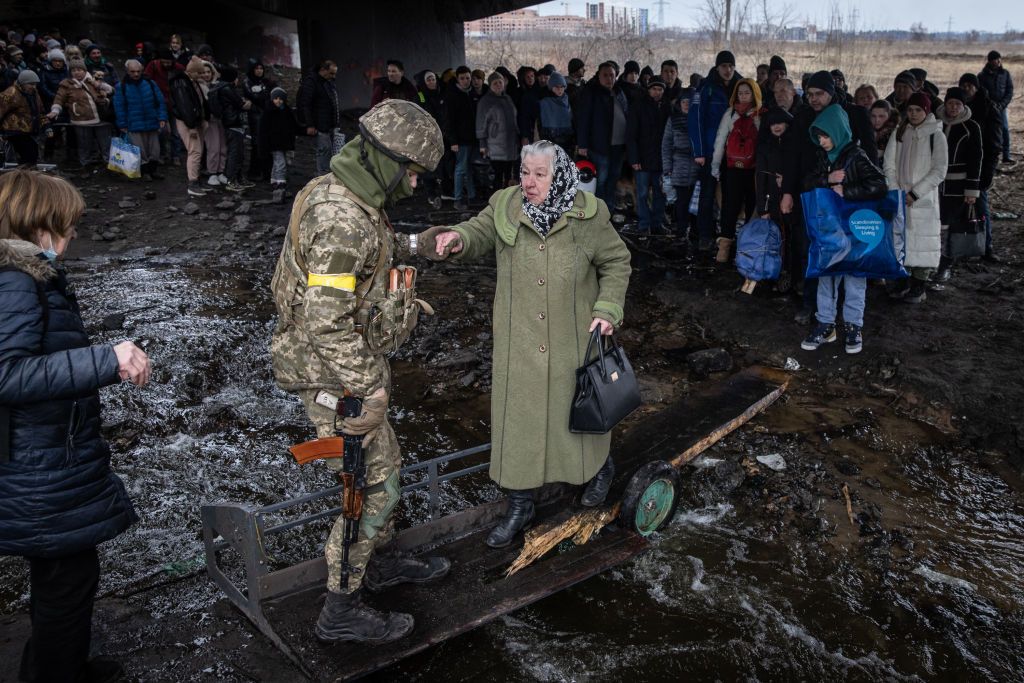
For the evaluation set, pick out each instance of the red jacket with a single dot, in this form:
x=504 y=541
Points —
x=159 y=75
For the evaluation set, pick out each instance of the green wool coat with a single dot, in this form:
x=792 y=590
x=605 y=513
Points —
x=548 y=292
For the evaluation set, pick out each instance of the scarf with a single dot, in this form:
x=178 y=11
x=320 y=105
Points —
x=564 y=182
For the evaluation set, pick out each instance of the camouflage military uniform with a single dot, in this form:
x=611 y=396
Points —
x=343 y=248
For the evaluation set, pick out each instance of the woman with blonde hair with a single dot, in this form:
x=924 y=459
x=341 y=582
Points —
x=59 y=498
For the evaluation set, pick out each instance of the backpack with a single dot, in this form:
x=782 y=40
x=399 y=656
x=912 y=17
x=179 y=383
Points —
x=740 y=145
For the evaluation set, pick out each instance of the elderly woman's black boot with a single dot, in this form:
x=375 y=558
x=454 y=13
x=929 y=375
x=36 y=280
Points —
x=517 y=516
x=597 y=488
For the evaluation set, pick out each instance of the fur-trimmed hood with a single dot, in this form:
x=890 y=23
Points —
x=26 y=257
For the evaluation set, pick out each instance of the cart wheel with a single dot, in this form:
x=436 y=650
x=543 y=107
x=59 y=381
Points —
x=651 y=498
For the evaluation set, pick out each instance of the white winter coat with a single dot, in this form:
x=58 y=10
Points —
x=924 y=240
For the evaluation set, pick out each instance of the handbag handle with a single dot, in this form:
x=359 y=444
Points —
x=602 y=350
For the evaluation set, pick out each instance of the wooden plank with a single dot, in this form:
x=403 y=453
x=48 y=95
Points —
x=474 y=594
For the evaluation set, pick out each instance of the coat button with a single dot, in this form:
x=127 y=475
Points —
x=541 y=316
x=543 y=348
x=540 y=282
x=541 y=247
x=580 y=214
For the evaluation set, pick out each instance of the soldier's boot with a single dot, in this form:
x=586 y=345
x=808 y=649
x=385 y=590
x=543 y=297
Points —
x=391 y=569
x=519 y=514
x=345 y=618
x=597 y=488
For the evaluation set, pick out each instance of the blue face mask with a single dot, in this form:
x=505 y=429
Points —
x=51 y=253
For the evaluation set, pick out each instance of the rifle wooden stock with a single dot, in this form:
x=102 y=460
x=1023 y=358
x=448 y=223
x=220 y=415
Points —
x=331 y=447
x=351 y=498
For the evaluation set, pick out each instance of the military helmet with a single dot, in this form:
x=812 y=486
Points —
x=404 y=131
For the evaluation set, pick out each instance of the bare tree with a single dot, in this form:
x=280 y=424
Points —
x=918 y=32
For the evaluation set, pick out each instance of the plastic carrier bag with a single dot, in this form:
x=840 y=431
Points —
x=759 y=250
x=862 y=239
x=125 y=158
x=695 y=199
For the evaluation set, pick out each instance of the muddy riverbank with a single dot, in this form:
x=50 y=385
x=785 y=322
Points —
x=765 y=573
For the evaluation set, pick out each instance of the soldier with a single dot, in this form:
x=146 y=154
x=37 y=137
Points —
x=339 y=315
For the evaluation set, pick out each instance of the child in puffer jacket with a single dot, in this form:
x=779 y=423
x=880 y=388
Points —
x=843 y=167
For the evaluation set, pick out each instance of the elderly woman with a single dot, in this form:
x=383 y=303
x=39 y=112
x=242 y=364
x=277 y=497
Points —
x=562 y=273
x=58 y=496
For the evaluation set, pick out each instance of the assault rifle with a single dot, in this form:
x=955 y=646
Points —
x=352 y=475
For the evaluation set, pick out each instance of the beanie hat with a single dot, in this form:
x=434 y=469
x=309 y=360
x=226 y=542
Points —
x=956 y=93
x=905 y=77
x=631 y=67
x=685 y=94
x=994 y=54
x=919 y=73
x=84 y=44
x=777 y=63
x=970 y=78
x=279 y=92
x=837 y=74
x=14 y=51
x=822 y=80
x=778 y=115
x=555 y=80
x=28 y=76
x=76 y=64
x=575 y=64
x=920 y=99
x=656 y=81
x=55 y=54
x=52 y=44
x=30 y=38
x=725 y=57
x=647 y=71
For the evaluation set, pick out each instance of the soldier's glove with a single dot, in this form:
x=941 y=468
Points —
x=375 y=408
x=427 y=244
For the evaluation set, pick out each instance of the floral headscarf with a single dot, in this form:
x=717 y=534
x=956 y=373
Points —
x=564 y=182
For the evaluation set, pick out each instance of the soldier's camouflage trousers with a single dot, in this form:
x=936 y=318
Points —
x=383 y=461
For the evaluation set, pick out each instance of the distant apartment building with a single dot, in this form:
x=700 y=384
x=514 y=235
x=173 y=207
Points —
x=618 y=17
x=522 y=21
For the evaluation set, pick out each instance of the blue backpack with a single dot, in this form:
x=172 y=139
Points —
x=759 y=250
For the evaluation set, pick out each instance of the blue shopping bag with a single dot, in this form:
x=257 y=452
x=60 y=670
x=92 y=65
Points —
x=759 y=250
x=862 y=239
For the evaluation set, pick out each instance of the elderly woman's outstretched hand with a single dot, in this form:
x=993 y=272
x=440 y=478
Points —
x=448 y=243
x=606 y=327
x=438 y=243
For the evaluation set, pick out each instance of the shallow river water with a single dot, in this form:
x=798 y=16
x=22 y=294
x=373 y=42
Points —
x=767 y=579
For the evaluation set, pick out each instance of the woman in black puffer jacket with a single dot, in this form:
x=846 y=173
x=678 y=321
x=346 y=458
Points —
x=58 y=496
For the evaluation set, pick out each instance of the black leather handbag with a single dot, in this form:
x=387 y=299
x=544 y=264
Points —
x=966 y=234
x=606 y=388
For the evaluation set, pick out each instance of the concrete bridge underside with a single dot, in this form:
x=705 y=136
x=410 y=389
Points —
x=359 y=36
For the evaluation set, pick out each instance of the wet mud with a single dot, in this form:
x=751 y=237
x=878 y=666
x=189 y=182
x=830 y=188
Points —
x=866 y=527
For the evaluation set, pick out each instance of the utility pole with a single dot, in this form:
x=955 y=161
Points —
x=728 y=20
x=660 y=4
x=949 y=27
x=565 y=6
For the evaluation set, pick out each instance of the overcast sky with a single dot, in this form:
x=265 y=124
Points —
x=994 y=15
